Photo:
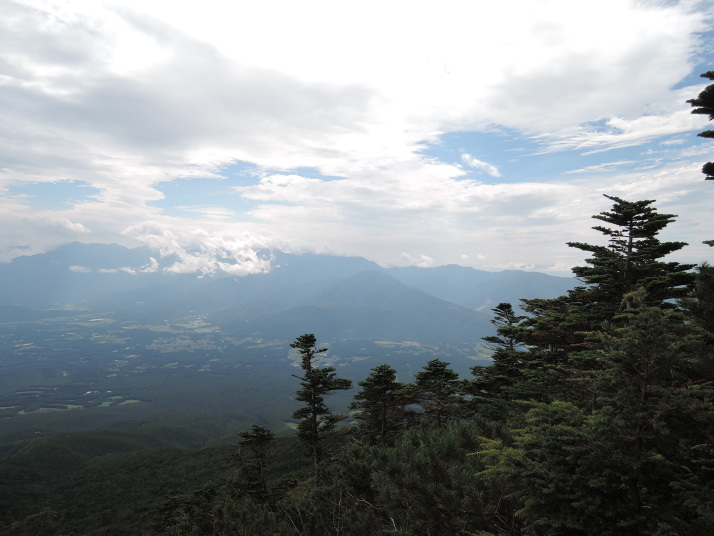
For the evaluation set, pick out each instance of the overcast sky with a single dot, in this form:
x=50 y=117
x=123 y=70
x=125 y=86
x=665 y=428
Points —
x=479 y=133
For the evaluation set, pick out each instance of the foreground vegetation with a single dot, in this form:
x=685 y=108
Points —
x=595 y=417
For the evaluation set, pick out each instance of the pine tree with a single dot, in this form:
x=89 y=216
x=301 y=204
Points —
x=381 y=404
x=553 y=334
x=699 y=304
x=258 y=440
x=494 y=387
x=632 y=259
x=640 y=460
x=531 y=357
x=316 y=420
x=439 y=391
x=506 y=321
x=704 y=104
x=424 y=484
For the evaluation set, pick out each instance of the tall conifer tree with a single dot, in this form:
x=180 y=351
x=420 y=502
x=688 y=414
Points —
x=632 y=259
x=556 y=329
x=258 y=440
x=316 y=420
x=381 y=404
x=704 y=104
x=439 y=391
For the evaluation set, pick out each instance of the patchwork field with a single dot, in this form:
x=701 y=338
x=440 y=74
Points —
x=85 y=371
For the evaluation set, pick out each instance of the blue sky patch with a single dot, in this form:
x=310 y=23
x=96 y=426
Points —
x=60 y=195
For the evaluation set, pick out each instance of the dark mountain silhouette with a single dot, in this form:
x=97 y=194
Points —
x=371 y=305
x=478 y=289
x=342 y=297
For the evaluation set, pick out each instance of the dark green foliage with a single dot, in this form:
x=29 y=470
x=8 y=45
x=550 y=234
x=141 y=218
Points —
x=699 y=304
x=554 y=331
x=439 y=392
x=258 y=440
x=382 y=405
x=506 y=321
x=632 y=259
x=528 y=360
x=654 y=406
x=220 y=511
x=704 y=104
x=250 y=472
x=423 y=484
x=316 y=420
x=111 y=492
x=540 y=470
x=494 y=387
x=618 y=439
x=641 y=461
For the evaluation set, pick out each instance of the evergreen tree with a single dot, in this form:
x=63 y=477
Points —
x=425 y=484
x=439 y=391
x=381 y=404
x=555 y=329
x=704 y=104
x=699 y=304
x=494 y=387
x=530 y=361
x=654 y=407
x=316 y=420
x=258 y=440
x=506 y=321
x=632 y=259
x=641 y=462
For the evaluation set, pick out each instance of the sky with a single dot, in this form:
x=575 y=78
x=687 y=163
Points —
x=411 y=133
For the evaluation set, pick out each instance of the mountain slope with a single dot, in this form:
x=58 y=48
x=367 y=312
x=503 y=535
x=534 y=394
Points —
x=478 y=289
x=371 y=305
x=342 y=297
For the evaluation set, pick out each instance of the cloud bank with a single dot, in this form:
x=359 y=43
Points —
x=317 y=124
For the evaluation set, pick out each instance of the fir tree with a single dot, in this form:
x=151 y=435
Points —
x=258 y=440
x=316 y=420
x=699 y=303
x=494 y=387
x=439 y=391
x=704 y=104
x=506 y=321
x=632 y=259
x=640 y=460
x=555 y=329
x=381 y=404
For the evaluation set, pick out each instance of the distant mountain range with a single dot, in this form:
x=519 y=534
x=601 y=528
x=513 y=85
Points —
x=337 y=297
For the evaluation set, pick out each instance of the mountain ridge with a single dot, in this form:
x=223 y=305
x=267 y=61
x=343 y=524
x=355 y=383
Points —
x=339 y=297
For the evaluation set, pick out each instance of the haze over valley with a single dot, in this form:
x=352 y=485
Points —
x=83 y=327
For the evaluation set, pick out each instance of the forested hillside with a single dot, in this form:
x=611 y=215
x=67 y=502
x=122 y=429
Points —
x=595 y=417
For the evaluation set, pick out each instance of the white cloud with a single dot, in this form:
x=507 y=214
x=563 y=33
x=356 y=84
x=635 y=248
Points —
x=79 y=269
x=605 y=166
x=129 y=95
x=422 y=261
x=150 y=267
x=215 y=213
x=619 y=132
x=75 y=227
x=203 y=252
x=478 y=164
